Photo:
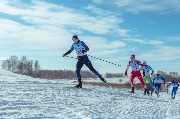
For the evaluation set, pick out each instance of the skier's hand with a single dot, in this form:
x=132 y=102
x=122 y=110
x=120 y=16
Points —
x=151 y=73
x=84 y=51
x=126 y=72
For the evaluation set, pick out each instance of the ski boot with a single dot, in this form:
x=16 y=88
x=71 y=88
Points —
x=79 y=85
x=157 y=94
x=147 y=92
x=132 y=90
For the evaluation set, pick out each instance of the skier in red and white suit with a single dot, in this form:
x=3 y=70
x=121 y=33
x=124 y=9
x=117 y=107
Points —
x=135 y=72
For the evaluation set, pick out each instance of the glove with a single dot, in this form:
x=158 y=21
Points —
x=152 y=73
x=143 y=74
x=84 y=51
x=126 y=72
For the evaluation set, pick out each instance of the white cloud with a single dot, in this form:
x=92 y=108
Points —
x=141 y=41
x=162 y=53
x=48 y=27
x=41 y=13
x=136 y=7
x=102 y=12
x=172 y=38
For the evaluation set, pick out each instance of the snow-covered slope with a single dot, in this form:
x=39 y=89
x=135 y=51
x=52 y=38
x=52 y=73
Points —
x=26 y=97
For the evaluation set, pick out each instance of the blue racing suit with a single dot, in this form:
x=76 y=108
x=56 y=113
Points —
x=156 y=83
x=174 y=89
x=81 y=48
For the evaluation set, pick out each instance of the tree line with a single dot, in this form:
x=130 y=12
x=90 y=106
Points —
x=32 y=68
x=21 y=65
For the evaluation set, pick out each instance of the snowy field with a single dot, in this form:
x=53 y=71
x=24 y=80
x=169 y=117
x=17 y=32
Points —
x=23 y=97
x=120 y=80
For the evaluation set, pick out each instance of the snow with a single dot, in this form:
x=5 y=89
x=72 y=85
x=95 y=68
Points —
x=27 y=97
x=114 y=80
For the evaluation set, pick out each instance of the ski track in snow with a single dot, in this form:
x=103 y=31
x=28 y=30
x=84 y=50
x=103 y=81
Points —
x=24 y=97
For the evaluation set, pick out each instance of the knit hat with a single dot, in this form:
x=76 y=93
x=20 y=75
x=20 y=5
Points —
x=132 y=56
x=74 y=37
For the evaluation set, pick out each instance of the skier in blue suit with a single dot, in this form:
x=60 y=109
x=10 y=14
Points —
x=174 y=89
x=81 y=48
x=156 y=84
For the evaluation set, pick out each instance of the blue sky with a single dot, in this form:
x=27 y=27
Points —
x=113 y=30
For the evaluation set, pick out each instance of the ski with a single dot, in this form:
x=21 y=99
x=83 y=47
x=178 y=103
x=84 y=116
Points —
x=107 y=84
x=73 y=87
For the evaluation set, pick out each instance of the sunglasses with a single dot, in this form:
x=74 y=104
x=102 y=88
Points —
x=73 y=39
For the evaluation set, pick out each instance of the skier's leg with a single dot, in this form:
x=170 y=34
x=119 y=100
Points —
x=145 y=78
x=148 y=78
x=158 y=89
x=175 y=91
x=91 y=68
x=132 y=81
x=78 y=69
x=138 y=74
x=152 y=86
x=152 y=90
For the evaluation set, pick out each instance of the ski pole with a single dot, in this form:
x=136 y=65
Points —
x=71 y=57
x=104 y=60
x=98 y=59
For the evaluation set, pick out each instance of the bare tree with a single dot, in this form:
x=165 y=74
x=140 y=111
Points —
x=36 y=66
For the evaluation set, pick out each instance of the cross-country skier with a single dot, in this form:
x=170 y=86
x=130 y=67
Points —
x=174 y=89
x=156 y=84
x=146 y=75
x=135 y=72
x=81 y=48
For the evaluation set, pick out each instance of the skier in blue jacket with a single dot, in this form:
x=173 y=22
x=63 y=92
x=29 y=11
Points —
x=156 y=83
x=174 y=89
x=81 y=48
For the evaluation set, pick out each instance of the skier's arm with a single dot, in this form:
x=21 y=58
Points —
x=68 y=52
x=178 y=84
x=151 y=70
x=85 y=46
x=139 y=63
x=152 y=82
x=127 y=68
x=144 y=70
x=169 y=84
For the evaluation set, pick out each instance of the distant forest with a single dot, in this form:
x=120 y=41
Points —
x=32 y=68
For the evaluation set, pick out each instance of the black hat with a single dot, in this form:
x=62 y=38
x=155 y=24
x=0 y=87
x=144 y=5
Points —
x=75 y=36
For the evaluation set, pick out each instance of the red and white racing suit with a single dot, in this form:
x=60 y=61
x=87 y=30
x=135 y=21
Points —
x=136 y=72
